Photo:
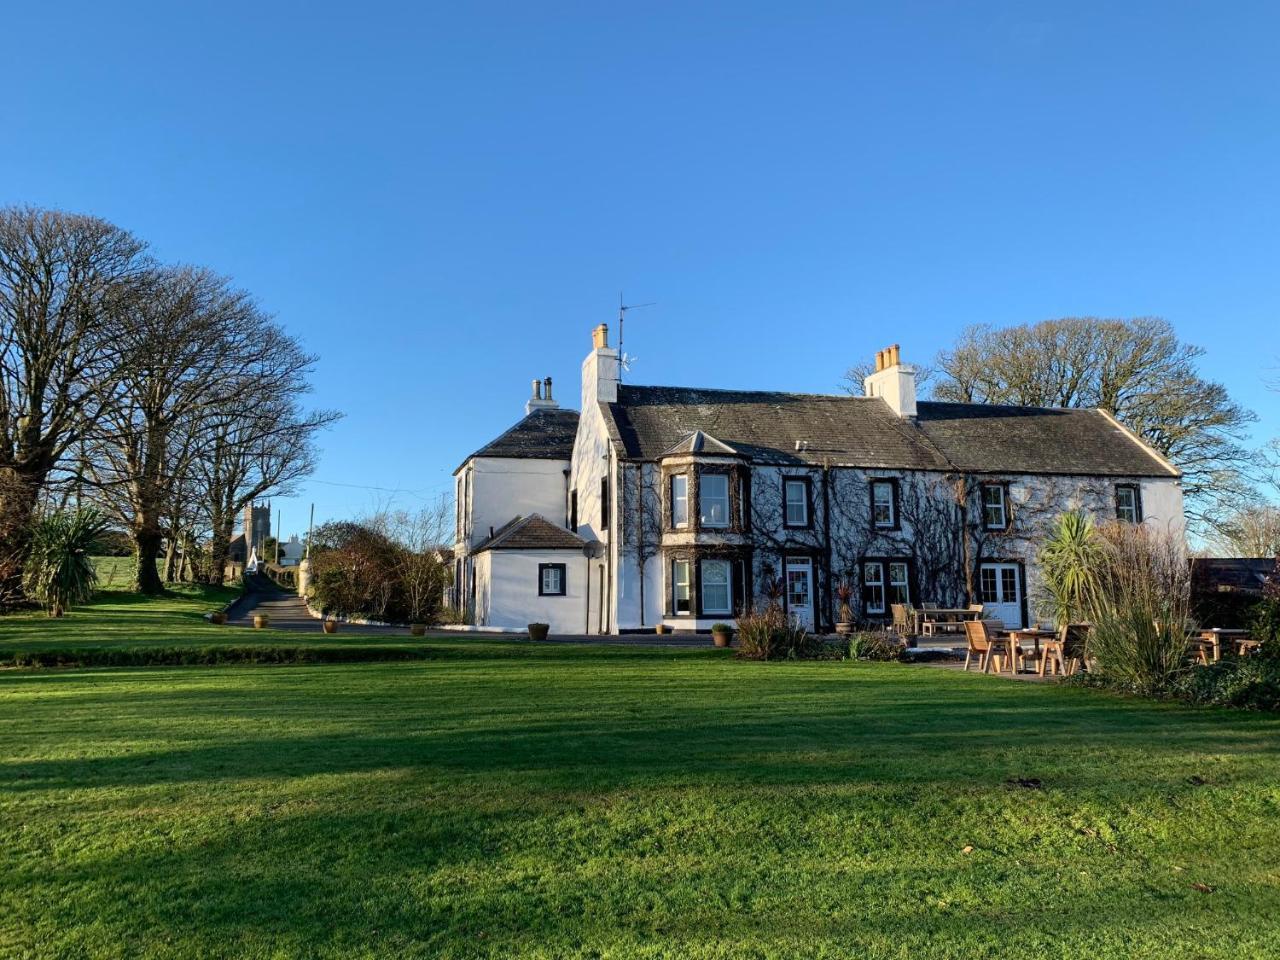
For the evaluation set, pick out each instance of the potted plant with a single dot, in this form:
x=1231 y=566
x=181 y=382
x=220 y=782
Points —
x=721 y=634
x=844 y=593
x=660 y=629
x=418 y=629
x=329 y=625
x=260 y=620
x=538 y=631
x=218 y=616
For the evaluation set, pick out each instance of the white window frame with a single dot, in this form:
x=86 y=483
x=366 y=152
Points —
x=727 y=567
x=802 y=503
x=679 y=584
x=887 y=487
x=1003 y=505
x=893 y=583
x=680 y=500
x=1132 y=491
x=703 y=499
x=560 y=587
x=867 y=567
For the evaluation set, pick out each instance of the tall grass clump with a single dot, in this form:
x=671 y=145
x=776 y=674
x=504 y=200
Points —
x=1141 y=607
x=59 y=571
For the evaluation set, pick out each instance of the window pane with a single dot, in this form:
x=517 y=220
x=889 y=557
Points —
x=680 y=500
x=993 y=506
x=1009 y=585
x=715 y=586
x=882 y=496
x=987 y=586
x=1126 y=505
x=873 y=587
x=797 y=505
x=798 y=588
x=551 y=580
x=680 y=581
x=899 y=591
x=713 y=497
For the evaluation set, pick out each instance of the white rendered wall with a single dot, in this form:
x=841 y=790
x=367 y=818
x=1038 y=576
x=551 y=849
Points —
x=504 y=488
x=507 y=591
x=1162 y=506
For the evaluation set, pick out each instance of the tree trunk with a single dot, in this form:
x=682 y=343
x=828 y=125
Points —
x=218 y=551
x=18 y=494
x=146 y=544
x=171 y=558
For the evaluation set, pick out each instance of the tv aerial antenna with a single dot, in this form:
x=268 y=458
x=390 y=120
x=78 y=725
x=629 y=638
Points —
x=623 y=307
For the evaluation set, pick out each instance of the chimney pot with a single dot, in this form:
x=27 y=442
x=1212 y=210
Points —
x=600 y=337
x=537 y=390
x=897 y=359
x=879 y=360
x=547 y=382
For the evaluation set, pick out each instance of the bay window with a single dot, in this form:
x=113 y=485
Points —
x=680 y=587
x=680 y=500
x=713 y=499
x=716 y=592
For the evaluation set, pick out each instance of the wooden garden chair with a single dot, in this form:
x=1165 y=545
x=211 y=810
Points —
x=981 y=642
x=1067 y=653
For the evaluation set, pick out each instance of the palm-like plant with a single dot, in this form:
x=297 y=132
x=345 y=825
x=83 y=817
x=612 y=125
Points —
x=1069 y=562
x=59 y=570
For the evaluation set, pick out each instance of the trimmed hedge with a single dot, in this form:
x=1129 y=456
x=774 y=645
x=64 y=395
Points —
x=206 y=656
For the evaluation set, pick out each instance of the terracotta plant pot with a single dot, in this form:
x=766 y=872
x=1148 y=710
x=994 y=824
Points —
x=219 y=617
x=538 y=631
x=660 y=629
x=329 y=626
x=260 y=620
x=844 y=628
x=721 y=638
x=418 y=629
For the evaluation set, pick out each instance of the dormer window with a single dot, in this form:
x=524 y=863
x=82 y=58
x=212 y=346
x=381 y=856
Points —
x=1128 y=503
x=680 y=500
x=713 y=499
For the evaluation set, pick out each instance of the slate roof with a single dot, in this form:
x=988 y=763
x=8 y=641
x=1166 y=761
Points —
x=533 y=532
x=800 y=428
x=545 y=434
x=1229 y=574
x=699 y=442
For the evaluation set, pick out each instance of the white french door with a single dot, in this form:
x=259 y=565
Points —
x=1000 y=590
x=799 y=573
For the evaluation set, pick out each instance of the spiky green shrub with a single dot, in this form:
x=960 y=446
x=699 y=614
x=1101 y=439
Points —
x=1070 y=562
x=59 y=571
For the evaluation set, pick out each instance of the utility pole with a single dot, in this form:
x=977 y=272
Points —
x=310 y=526
x=279 y=529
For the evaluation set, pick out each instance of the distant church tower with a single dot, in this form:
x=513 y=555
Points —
x=257 y=526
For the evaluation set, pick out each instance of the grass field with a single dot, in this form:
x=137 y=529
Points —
x=508 y=800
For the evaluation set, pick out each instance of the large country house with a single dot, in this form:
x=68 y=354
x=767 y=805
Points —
x=684 y=506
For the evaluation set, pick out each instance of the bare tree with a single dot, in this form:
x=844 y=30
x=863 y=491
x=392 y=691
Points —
x=421 y=536
x=1137 y=370
x=1252 y=532
x=187 y=342
x=64 y=281
x=259 y=441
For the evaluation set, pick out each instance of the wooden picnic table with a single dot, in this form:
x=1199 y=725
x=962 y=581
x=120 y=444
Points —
x=946 y=617
x=1209 y=643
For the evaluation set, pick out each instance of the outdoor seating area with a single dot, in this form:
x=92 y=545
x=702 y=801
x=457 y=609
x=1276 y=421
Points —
x=990 y=647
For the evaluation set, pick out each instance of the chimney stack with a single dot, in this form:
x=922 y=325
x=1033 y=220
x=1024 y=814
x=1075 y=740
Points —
x=539 y=401
x=894 y=382
x=600 y=370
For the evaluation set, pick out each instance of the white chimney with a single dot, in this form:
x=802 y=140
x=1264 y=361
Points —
x=894 y=382
x=600 y=370
x=539 y=401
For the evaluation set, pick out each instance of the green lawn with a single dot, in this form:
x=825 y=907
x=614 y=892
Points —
x=507 y=800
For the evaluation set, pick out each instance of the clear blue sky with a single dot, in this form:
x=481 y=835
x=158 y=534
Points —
x=442 y=199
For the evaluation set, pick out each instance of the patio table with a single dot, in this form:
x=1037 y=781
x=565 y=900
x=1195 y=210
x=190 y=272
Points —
x=1032 y=634
x=1210 y=643
x=947 y=617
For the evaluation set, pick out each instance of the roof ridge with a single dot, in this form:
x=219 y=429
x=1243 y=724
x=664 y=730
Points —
x=768 y=393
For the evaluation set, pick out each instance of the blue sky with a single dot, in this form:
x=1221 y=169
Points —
x=442 y=199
